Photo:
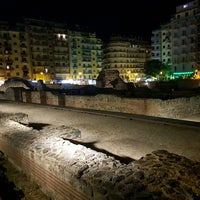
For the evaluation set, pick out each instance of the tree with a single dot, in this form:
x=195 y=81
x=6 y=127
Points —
x=157 y=69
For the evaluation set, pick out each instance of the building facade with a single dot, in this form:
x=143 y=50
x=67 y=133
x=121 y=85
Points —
x=14 y=60
x=177 y=43
x=127 y=55
x=85 y=56
x=42 y=50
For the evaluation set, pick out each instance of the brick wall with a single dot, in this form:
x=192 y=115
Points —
x=49 y=183
x=70 y=171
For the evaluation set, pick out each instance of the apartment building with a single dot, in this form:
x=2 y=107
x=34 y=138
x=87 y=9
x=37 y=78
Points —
x=127 y=55
x=85 y=56
x=36 y=49
x=13 y=58
x=42 y=50
x=177 y=43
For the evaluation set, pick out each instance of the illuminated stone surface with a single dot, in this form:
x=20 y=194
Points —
x=58 y=149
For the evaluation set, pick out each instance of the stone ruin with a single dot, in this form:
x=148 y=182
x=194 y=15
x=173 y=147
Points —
x=111 y=79
x=93 y=175
x=16 y=82
x=21 y=83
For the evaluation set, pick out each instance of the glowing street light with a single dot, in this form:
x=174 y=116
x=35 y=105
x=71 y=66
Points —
x=42 y=74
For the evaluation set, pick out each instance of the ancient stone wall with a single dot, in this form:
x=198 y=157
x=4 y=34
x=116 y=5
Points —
x=66 y=170
x=172 y=108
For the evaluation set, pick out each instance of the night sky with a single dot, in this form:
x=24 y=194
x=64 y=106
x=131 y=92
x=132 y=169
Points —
x=106 y=18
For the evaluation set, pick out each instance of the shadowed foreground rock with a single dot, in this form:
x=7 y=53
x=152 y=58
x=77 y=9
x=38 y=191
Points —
x=158 y=175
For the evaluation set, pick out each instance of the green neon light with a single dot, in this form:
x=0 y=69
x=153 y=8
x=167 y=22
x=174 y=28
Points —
x=182 y=73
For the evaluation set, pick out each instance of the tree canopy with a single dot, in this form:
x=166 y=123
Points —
x=157 y=69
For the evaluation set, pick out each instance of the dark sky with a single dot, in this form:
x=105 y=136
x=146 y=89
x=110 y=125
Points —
x=136 y=18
